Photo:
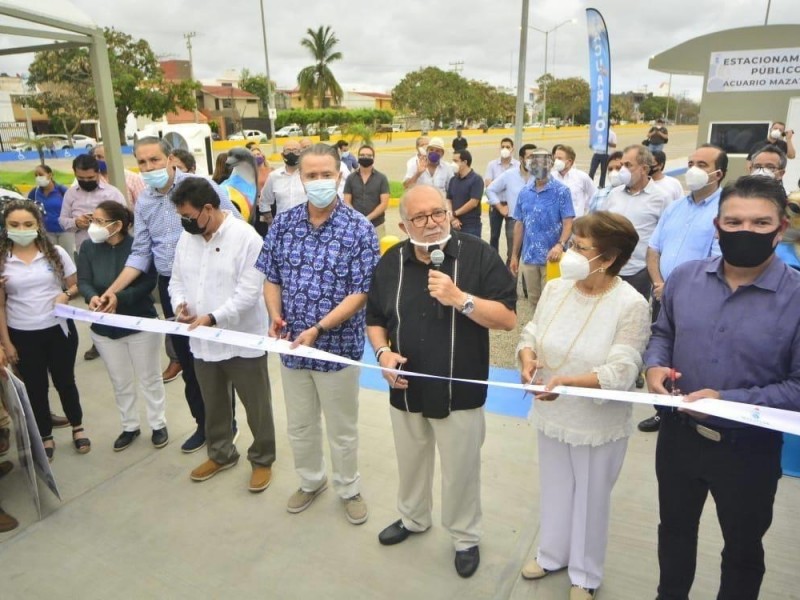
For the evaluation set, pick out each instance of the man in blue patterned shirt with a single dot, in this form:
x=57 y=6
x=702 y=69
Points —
x=319 y=258
x=158 y=228
x=544 y=215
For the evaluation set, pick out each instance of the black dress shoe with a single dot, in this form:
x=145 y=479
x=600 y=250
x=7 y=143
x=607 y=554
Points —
x=160 y=437
x=394 y=534
x=125 y=439
x=467 y=561
x=91 y=353
x=650 y=425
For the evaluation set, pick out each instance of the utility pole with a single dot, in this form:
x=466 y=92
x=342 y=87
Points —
x=457 y=66
x=669 y=95
x=523 y=50
x=766 y=16
x=188 y=37
x=270 y=96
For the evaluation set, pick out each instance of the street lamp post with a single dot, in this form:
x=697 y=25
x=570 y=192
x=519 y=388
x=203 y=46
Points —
x=523 y=50
x=546 y=46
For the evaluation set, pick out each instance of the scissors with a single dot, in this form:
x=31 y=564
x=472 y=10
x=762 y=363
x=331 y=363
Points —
x=673 y=376
x=533 y=378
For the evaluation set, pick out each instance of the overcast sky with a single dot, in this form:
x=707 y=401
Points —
x=382 y=40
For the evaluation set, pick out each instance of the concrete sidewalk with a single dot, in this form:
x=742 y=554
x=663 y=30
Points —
x=132 y=524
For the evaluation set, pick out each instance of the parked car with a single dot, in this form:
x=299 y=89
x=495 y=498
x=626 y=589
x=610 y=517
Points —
x=334 y=129
x=254 y=135
x=289 y=130
x=398 y=127
x=56 y=141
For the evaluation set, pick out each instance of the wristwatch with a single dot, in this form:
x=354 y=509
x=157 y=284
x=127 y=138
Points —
x=563 y=246
x=213 y=319
x=320 y=329
x=468 y=306
x=68 y=294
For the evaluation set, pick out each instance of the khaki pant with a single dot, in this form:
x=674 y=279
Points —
x=250 y=379
x=310 y=394
x=535 y=278
x=459 y=438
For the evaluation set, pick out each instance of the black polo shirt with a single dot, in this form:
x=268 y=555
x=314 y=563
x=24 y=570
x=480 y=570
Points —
x=366 y=196
x=461 y=190
x=451 y=346
x=459 y=144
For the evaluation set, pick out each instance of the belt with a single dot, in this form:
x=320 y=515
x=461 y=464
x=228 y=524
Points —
x=723 y=434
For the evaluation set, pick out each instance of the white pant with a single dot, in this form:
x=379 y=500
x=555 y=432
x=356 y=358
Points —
x=459 y=438
x=575 y=491
x=136 y=356
x=308 y=394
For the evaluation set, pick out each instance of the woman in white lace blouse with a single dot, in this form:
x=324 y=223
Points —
x=589 y=330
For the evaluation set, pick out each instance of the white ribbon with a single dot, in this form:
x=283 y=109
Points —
x=762 y=416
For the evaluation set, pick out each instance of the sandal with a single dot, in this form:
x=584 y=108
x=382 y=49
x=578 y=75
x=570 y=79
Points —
x=82 y=445
x=49 y=450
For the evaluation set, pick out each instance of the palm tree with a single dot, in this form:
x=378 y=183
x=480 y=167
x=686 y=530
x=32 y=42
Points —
x=317 y=81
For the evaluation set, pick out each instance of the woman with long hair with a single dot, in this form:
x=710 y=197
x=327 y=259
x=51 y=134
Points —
x=38 y=275
x=49 y=196
x=221 y=169
x=128 y=355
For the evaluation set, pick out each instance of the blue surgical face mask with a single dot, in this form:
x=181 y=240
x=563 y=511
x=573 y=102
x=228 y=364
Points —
x=156 y=179
x=321 y=192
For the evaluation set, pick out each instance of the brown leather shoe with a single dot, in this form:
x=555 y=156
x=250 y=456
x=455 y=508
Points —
x=7 y=522
x=260 y=479
x=172 y=371
x=5 y=440
x=210 y=468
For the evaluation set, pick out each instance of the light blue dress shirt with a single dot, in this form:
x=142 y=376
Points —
x=686 y=232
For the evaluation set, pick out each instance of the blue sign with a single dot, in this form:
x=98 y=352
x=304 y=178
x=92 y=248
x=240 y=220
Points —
x=599 y=80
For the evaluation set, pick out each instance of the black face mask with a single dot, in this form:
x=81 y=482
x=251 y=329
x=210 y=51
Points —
x=190 y=225
x=365 y=161
x=88 y=186
x=746 y=249
x=291 y=159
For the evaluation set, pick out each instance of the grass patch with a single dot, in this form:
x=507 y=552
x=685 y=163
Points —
x=395 y=189
x=17 y=178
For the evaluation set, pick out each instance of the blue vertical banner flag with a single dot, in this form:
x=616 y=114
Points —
x=599 y=79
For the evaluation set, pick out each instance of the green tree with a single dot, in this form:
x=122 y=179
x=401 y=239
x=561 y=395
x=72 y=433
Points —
x=432 y=93
x=654 y=107
x=257 y=85
x=566 y=98
x=622 y=108
x=136 y=78
x=316 y=81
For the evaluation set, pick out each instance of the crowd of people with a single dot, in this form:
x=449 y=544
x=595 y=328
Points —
x=654 y=283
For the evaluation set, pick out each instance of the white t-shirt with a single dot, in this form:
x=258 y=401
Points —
x=671 y=187
x=580 y=186
x=32 y=289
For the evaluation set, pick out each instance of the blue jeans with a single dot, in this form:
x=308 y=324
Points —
x=472 y=229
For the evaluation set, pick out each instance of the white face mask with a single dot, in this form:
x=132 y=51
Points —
x=624 y=176
x=42 y=181
x=427 y=246
x=763 y=173
x=97 y=233
x=559 y=165
x=775 y=134
x=575 y=266
x=697 y=179
x=505 y=153
x=613 y=178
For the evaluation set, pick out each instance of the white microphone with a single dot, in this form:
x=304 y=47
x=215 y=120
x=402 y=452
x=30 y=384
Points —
x=437 y=258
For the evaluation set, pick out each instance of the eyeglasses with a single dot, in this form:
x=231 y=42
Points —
x=102 y=222
x=767 y=168
x=438 y=216
x=572 y=245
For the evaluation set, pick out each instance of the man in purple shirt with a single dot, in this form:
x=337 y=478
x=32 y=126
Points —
x=730 y=327
x=81 y=199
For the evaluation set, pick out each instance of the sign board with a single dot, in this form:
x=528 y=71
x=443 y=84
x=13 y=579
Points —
x=754 y=70
x=273 y=113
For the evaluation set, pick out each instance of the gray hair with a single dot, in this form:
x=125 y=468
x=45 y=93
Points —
x=416 y=189
x=771 y=149
x=643 y=155
x=149 y=141
x=320 y=149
